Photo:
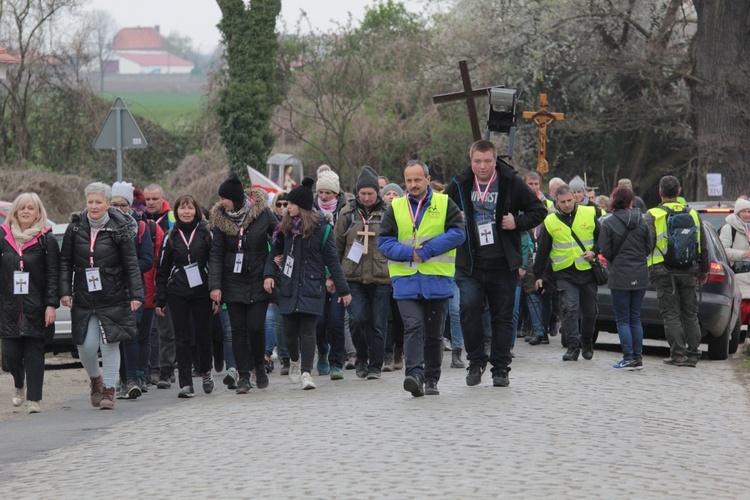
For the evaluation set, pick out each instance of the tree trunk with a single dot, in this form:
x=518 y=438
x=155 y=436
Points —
x=719 y=94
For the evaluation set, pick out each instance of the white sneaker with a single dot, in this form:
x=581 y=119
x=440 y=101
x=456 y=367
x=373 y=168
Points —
x=294 y=374
x=307 y=381
x=18 y=397
x=33 y=407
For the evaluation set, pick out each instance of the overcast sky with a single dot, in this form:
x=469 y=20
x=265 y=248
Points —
x=198 y=18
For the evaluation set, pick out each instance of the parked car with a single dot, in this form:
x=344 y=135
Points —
x=714 y=212
x=718 y=310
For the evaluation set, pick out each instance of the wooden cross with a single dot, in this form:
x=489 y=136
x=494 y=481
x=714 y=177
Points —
x=469 y=95
x=21 y=283
x=542 y=118
x=365 y=234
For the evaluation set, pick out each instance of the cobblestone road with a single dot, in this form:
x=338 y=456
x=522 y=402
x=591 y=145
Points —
x=561 y=429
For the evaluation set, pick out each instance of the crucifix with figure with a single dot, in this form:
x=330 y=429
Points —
x=542 y=118
x=93 y=280
x=20 y=284
x=365 y=237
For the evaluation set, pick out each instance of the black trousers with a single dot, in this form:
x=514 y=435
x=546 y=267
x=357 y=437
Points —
x=192 y=326
x=395 y=336
x=300 y=335
x=423 y=336
x=248 y=334
x=24 y=356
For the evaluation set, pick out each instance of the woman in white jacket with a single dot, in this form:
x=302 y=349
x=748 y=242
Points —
x=735 y=236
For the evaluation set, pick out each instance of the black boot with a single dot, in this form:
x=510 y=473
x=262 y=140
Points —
x=572 y=354
x=456 y=359
x=587 y=349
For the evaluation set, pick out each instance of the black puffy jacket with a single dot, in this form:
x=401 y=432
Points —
x=171 y=278
x=114 y=255
x=245 y=287
x=23 y=315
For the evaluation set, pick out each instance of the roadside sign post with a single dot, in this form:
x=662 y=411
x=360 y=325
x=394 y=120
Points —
x=119 y=131
x=715 y=186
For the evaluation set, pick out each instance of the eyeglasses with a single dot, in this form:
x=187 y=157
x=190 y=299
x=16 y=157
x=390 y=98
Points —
x=119 y=205
x=280 y=204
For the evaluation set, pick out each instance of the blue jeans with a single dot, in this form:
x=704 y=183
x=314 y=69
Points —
x=496 y=288
x=454 y=306
x=627 y=307
x=270 y=331
x=278 y=332
x=368 y=321
x=534 y=304
x=330 y=330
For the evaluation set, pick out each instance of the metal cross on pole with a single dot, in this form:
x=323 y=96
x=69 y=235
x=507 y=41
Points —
x=468 y=95
x=542 y=118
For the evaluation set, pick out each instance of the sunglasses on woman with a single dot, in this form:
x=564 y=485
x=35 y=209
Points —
x=280 y=204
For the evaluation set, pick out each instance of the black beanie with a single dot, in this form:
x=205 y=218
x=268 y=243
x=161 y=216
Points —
x=368 y=178
x=302 y=195
x=232 y=189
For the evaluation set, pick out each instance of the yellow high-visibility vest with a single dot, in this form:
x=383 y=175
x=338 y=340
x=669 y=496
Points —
x=660 y=224
x=565 y=250
x=432 y=225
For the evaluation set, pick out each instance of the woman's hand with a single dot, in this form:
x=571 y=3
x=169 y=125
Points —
x=268 y=285
x=216 y=295
x=160 y=311
x=66 y=300
x=134 y=305
x=278 y=260
x=330 y=285
x=346 y=299
x=49 y=315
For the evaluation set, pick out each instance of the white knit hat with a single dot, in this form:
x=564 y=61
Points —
x=740 y=205
x=123 y=190
x=327 y=179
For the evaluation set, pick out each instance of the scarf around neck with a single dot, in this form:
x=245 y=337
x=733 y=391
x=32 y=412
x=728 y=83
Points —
x=23 y=237
x=238 y=217
x=328 y=206
x=97 y=225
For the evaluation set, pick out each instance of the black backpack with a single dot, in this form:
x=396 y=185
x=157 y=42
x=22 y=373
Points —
x=682 y=243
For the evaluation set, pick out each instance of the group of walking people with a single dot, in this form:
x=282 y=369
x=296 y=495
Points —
x=367 y=278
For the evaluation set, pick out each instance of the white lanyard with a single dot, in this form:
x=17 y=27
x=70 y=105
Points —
x=481 y=195
x=188 y=242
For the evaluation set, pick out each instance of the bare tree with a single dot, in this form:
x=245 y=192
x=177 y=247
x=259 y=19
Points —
x=102 y=29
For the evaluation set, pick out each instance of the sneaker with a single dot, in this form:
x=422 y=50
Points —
x=230 y=379
x=625 y=364
x=362 y=369
x=687 y=361
x=186 y=392
x=208 y=382
x=33 y=407
x=639 y=363
x=164 y=380
x=373 y=375
x=500 y=379
x=18 y=397
x=294 y=375
x=243 y=386
x=284 y=366
x=195 y=373
x=307 y=382
x=447 y=345
x=142 y=383
x=269 y=364
x=323 y=366
x=351 y=363
x=474 y=375
x=153 y=377
x=430 y=388
x=414 y=385
x=587 y=349
x=131 y=389
x=388 y=362
x=536 y=340
x=261 y=378
x=571 y=354
x=118 y=385
x=336 y=373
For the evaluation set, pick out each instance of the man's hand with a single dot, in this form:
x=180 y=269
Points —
x=216 y=295
x=539 y=284
x=346 y=299
x=330 y=286
x=509 y=222
x=66 y=300
x=589 y=256
x=268 y=285
x=415 y=257
x=703 y=277
x=160 y=311
x=49 y=315
x=134 y=305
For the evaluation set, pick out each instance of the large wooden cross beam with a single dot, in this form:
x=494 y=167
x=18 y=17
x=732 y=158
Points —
x=542 y=118
x=469 y=95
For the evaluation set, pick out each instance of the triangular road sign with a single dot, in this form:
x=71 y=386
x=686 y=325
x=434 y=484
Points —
x=131 y=135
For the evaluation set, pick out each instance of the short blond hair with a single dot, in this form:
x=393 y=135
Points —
x=20 y=201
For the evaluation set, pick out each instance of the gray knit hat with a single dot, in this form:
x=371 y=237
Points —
x=368 y=178
x=393 y=187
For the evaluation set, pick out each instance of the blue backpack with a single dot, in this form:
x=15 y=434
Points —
x=682 y=243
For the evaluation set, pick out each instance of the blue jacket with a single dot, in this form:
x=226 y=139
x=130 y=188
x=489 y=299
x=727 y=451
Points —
x=418 y=285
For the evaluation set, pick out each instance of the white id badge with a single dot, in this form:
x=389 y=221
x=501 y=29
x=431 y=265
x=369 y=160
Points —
x=238 y=262
x=93 y=280
x=288 y=266
x=20 y=283
x=355 y=253
x=485 y=234
x=193 y=275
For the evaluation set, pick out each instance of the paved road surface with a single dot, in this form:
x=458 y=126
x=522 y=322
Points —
x=560 y=430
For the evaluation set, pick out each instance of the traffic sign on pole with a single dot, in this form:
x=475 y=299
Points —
x=119 y=131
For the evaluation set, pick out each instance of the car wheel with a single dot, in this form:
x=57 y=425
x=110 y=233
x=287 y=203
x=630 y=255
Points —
x=734 y=340
x=718 y=347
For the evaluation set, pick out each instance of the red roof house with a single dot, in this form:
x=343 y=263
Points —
x=138 y=39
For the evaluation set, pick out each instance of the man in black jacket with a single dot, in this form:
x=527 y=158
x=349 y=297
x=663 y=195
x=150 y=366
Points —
x=497 y=205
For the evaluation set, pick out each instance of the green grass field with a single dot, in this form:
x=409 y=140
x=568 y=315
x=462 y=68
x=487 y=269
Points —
x=171 y=111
